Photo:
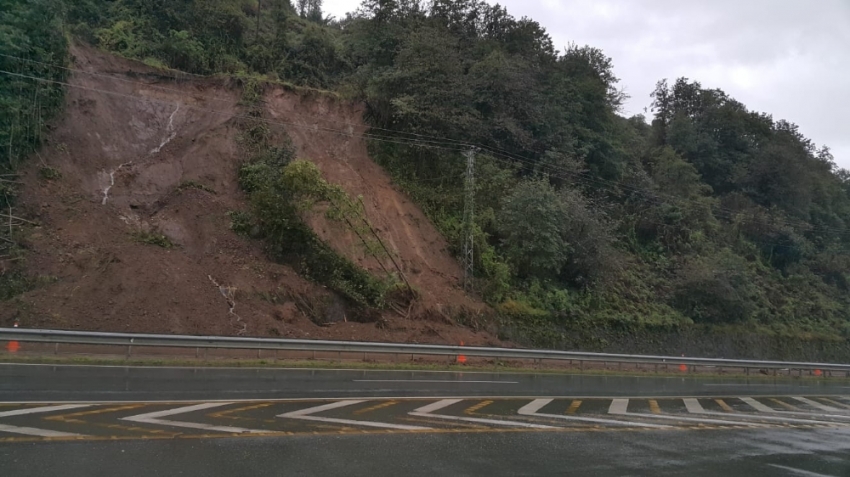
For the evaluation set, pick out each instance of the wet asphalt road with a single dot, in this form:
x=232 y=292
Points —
x=729 y=452
x=105 y=383
x=812 y=453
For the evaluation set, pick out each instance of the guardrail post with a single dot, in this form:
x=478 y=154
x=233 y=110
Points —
x=56 y=349
x=258 y=353
x=129 y=350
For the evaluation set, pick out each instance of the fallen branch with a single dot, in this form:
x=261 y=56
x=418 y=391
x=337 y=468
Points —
x=10 y=216
x=400 y=311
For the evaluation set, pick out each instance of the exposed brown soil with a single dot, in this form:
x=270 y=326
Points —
x=326 y=131
x=122 y=122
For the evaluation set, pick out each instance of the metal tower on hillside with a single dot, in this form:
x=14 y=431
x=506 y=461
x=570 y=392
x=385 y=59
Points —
x=468 y=219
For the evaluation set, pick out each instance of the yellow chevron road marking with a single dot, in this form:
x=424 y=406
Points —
x=723 y=405
x=375 y=407
x=653 y=407
x=477 y=407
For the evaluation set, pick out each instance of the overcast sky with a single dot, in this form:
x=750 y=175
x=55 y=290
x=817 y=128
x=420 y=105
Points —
x=787 y=58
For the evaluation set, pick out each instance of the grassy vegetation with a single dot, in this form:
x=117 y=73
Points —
x=16 y=282
x=283 y=191
x=153 y=238
x=49 y=173
x=489 y=366
x=195 y=185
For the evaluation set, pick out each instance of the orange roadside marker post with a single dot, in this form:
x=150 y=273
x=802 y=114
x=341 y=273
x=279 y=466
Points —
x=13 y=346
x=818 y=372
x=683 y=367
x=461 y=359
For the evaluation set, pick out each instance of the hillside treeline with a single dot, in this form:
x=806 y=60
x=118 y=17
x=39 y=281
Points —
x=703 y=212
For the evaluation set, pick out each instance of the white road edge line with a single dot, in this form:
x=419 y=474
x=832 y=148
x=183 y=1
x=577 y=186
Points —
x=371 y=398
x=32 y=431
x=531 y=409
x=454 y=381
x=619 y=407
x=306 y=415
x=805 y=473
x=154 y=418
x=425 y=411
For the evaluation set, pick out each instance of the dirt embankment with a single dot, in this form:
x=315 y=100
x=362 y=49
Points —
x=142 y=155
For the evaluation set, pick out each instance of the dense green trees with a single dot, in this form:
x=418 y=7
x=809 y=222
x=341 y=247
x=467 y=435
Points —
x=706 y=212
x=30 y=36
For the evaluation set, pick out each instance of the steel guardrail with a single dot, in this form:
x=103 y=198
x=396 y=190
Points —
x=226 y=342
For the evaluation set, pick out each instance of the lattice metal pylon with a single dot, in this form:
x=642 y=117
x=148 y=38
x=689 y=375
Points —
x=469 y=220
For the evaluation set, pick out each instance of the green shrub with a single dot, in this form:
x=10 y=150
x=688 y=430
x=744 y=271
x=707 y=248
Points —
x=49 y=173
x=195 y=185
x=241 y=222
x=521 y=310
x=153 y=238
x=717 y=289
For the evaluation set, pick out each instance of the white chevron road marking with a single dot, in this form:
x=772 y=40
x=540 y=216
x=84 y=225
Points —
x=620 y=406
x=307 y=415
x=532 y=408
x=154 y=418
x=33 y=431
x=425 y=411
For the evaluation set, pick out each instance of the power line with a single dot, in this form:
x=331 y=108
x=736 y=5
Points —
x=427 y=144
x=237 y=115
x=729 y=214
x=230 y=101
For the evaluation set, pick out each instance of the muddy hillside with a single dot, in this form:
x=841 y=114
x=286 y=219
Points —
x=134 y=232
